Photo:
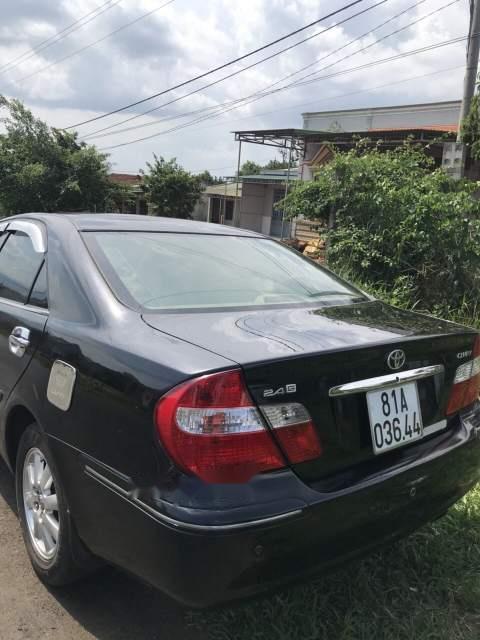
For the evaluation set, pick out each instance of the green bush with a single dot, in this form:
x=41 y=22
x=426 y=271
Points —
x=402 y=227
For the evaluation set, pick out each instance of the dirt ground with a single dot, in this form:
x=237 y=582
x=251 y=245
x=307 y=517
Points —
x=108 y=605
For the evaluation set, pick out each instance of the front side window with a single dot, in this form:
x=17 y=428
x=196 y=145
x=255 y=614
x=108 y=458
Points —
x=192 y=271
x=19 y=266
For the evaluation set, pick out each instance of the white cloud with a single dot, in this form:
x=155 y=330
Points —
x=189 y=37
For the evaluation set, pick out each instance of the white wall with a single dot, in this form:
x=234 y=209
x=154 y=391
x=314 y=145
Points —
x=252 y=206
x=384 y=117
x=201 y=209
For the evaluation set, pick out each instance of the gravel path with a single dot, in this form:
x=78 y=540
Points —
x=107 y=606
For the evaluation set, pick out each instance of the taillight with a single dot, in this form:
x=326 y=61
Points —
x=294 y=430
x=466 y=384
x=211 y=428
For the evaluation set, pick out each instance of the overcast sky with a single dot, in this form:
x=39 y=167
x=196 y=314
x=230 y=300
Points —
x=189 y=37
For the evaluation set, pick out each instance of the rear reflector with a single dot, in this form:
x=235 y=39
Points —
x=211 y=428
x=466 y=384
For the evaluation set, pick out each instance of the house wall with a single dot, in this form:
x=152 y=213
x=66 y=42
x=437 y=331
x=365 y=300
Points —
x=201 y=209
x=257 y=206
x=419 y=115
x=253 y=205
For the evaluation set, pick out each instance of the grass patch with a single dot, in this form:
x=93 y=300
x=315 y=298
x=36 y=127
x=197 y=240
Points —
x=426 y=587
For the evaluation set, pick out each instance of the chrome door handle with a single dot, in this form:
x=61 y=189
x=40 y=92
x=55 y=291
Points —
x=18 y=341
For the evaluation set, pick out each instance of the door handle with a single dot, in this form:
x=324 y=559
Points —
x=18 y=341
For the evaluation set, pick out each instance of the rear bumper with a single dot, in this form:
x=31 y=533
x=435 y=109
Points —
x=202 y=565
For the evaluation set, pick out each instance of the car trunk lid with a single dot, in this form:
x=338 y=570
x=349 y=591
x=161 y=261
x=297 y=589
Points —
x=300 y=354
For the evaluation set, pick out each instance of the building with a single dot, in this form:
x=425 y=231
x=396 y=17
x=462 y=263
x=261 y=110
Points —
x=223 y=202
x=433 y=125
x=425 y=122
x=133 y=201
x=251 y=202
x=437 y=115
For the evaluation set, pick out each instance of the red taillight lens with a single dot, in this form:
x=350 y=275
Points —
x=294 y=431
x=466 y=384
x=211 y=427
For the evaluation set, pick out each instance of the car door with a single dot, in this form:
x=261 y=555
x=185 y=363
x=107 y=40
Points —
x=23 y=298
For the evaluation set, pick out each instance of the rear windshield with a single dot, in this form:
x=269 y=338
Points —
x=192 y=271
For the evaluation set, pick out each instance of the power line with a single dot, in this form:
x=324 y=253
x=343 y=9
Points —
x=353 y=93
x=307 y=82
x=57 y=37
x=220 y=67
x=257 y=96
x=389 y=35
x=92 y=44
x=231 y=75
x=263 y=92
x=336 y=97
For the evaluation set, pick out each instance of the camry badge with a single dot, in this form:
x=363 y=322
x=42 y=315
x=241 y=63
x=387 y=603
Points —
x=396 y=359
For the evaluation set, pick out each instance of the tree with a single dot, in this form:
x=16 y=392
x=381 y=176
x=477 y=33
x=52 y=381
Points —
x=121 y=196
x=471 y=128
x=250 y=168
x=207 y=179
x=46 y=169
x=276 y=164
x=171 y=190
x=402 y=226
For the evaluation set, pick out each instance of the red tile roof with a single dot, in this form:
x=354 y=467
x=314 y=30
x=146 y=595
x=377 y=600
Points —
x=443 y=128
x=125 y=178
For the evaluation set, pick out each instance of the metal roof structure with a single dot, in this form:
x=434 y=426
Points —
x=281 y=137
x=279 y=176
x=225 y=190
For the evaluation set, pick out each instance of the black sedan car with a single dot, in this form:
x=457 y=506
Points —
x=214 y=413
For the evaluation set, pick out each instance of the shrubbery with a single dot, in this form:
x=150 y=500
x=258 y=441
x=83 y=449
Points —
x=47 y=169
x=403 y=228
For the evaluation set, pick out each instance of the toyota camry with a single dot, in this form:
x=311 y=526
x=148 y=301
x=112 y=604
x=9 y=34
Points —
x=213 y=412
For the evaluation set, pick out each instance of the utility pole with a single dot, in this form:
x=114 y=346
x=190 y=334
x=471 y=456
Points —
x=287 y=184
x=473 y=49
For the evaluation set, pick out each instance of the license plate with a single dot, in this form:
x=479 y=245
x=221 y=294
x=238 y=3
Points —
x=395 y=417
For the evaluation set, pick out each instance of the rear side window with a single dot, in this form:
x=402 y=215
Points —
x=19 y=266
x=38 y=296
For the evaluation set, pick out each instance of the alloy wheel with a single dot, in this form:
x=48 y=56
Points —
x=40 y=502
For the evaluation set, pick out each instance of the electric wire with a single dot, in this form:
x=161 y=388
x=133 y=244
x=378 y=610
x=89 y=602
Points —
x=92 y=44
x=52 y=40
x=100 y=133
x=218 y=68
x=306 y=82
x=234 y=73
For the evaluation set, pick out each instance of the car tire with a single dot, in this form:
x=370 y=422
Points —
x=56 y=552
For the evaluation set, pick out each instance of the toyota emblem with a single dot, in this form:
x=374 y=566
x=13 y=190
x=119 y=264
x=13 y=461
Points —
x=396 y=359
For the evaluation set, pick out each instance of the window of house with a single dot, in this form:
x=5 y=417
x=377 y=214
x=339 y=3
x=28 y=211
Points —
x=229 y=210
x=215 y=210
x=19 y=266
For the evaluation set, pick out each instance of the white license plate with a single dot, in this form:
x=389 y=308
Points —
x=395 y=417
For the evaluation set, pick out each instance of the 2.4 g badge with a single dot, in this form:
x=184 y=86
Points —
x=281 y=391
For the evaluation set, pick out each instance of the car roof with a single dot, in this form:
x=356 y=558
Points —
x=127 y=222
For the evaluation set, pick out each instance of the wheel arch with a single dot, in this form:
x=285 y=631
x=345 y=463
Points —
x=18 y=419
